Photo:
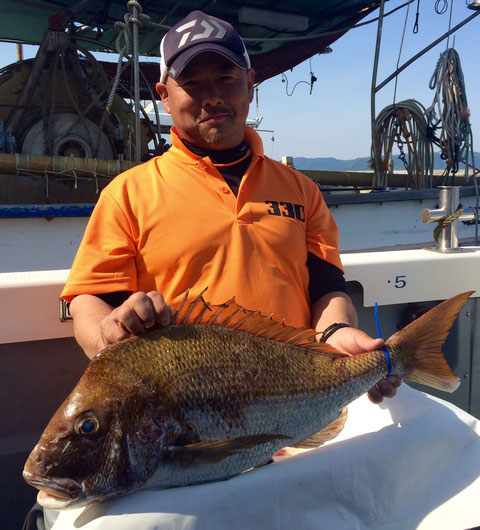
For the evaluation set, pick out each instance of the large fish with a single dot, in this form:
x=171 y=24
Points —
x=218 y=392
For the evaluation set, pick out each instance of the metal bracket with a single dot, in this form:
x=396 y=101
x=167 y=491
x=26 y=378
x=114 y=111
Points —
x=447 y=240
x=64 y=311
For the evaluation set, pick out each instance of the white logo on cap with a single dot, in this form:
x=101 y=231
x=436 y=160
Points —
x=208 y=30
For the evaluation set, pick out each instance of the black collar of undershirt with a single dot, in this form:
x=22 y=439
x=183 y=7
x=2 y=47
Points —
x=222 y=156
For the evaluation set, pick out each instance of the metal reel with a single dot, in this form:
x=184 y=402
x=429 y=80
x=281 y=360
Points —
x=70 y=135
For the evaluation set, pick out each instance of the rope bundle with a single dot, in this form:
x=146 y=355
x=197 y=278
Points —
x=405 y=125
x=445 y=221
x=450 y=102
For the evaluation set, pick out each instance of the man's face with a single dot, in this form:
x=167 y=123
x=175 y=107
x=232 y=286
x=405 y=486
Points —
x=209 y=101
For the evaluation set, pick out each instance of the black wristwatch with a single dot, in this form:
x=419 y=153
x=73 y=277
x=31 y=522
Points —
x=327 y=333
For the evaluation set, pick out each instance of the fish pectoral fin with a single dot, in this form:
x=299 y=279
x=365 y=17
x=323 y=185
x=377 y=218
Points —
x=215 y=451
x=331 y=431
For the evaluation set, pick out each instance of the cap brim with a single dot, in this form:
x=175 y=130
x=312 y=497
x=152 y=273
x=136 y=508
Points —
x=182 y=60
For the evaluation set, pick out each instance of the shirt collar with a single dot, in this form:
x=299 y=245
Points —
x=251 y=137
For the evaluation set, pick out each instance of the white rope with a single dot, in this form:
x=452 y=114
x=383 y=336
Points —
x=72 y=159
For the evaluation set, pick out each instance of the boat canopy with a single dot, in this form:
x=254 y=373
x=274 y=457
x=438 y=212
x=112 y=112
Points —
x=277 y=38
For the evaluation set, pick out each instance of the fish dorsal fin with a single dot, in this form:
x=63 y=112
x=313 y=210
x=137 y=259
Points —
x=234 y=316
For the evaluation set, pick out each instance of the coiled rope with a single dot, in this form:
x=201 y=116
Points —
x=404 y=124
x=445 y=221
x=448 y=115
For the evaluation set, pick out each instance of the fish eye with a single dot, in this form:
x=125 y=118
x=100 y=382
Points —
x=87 y=425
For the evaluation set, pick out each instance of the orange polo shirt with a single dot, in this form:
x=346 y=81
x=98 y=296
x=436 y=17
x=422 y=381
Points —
x=173 y=223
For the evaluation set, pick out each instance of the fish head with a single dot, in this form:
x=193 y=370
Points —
x=96 y=446
x=69 y=452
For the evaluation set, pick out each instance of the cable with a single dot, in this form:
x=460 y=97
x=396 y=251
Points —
x=444 y=6
x=313 y=79
x=400 y=53
x=417 y=16
x=450 y=27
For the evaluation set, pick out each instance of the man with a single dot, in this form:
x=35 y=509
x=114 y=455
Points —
x=211 y=212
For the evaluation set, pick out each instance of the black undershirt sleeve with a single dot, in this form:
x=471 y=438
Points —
x=324 y=278
x=114 y=299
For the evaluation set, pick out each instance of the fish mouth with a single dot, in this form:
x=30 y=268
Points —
x=54 y=493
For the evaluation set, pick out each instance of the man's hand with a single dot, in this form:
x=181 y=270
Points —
x=97 y=324
x=353 y=341
x=135 y=316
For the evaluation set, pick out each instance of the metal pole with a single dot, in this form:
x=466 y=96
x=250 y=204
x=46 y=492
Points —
x=136 y=82
x=425 y=50
x=373 y=91
x=448 y=199
x=29 y=86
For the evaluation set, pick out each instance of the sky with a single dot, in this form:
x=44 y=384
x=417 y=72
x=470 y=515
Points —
x=334 y=121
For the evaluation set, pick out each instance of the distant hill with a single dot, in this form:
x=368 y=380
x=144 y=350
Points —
x=358 y=164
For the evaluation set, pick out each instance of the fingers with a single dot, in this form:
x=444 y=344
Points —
x=353 y=341
x=366 y=343
x=136 y=315
x=112 y=332
x=387 y=387
x=163 y=314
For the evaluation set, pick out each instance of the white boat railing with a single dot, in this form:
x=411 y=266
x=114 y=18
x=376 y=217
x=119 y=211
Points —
x=29 y=309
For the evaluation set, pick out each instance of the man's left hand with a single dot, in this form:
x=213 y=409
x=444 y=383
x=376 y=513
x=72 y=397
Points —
x=352 y=341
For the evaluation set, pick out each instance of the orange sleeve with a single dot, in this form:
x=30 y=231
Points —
x=322 y=231
x=105 y=261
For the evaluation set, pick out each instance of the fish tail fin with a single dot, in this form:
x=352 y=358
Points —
x=423 y=340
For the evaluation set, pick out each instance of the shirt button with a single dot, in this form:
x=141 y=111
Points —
x=225 y=189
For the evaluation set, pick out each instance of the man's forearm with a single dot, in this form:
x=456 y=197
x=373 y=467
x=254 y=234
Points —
x=337 y=307
x=97 y=324
x=88 y=311
x=333 y=308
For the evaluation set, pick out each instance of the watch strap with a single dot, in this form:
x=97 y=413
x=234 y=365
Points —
x=328 y=332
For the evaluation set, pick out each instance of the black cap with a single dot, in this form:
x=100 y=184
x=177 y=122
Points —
x=195 y=34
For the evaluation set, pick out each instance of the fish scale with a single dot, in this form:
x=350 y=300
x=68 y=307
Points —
x=216 y=393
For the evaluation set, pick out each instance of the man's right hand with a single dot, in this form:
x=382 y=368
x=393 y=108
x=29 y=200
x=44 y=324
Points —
x=97 y=324
x=135 y=316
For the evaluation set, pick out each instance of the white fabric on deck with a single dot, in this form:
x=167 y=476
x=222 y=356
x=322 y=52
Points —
x=411 y=462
